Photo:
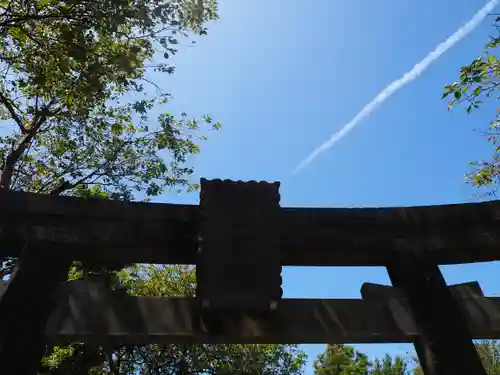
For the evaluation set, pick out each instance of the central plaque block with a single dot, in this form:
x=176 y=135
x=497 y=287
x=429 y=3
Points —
x=238 y=261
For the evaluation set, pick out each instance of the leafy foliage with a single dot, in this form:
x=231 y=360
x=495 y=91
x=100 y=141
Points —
x=340 y=359
x=81 y=109
x=478 y=82
x=387 y=366
x=171 y=281
x=71 y=76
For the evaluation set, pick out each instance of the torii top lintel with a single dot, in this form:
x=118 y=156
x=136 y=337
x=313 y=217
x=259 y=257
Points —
x=168 y=233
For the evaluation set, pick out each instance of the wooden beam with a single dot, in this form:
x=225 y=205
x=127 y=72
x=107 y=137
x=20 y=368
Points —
x=88 y=312
x=166 y=233
x=99 y=230
x=44 y=206
x=448 y=234
x=444 y=345
x=397 y=299
x=464 y=290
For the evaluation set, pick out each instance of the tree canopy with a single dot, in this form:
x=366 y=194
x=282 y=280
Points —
x=76 y=93
x=339 y=359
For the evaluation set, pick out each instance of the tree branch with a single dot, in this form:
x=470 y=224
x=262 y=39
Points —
x=10 y=107
x=13 y=157
x=38 y=120
x=66 y=185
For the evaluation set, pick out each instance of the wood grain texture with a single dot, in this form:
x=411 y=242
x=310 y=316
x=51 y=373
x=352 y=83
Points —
x=168 y=233
x=87 y=312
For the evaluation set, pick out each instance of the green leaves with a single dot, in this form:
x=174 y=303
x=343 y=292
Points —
x=480 y=80
x=76 y=67
x=339 y=359
x=388 y=366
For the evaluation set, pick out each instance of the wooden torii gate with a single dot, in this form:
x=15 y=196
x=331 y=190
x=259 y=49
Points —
x=239 y=238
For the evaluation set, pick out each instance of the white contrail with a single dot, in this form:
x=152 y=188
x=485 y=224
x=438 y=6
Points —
x=400 y=82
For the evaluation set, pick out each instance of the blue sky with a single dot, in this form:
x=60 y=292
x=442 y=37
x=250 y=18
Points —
x=282 y=76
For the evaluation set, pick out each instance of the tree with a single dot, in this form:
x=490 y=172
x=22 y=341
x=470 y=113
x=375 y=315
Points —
x=387 y=366
x=171 y=281
x=478 y=82
x=339 y=359
x=78 y=85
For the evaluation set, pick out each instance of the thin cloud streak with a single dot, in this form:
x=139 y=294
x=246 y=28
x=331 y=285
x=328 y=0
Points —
x=399 y=83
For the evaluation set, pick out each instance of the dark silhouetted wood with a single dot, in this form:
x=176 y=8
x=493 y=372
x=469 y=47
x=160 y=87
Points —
x=88 y=312
x=99 y=230
x=460 y=292
x=464 y=290
x=448 y=234
x=25 y=306
x=112 y=231
x=238 y=262
x=444 y=345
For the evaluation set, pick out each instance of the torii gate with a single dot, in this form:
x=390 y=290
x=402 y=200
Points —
x=239 y=238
